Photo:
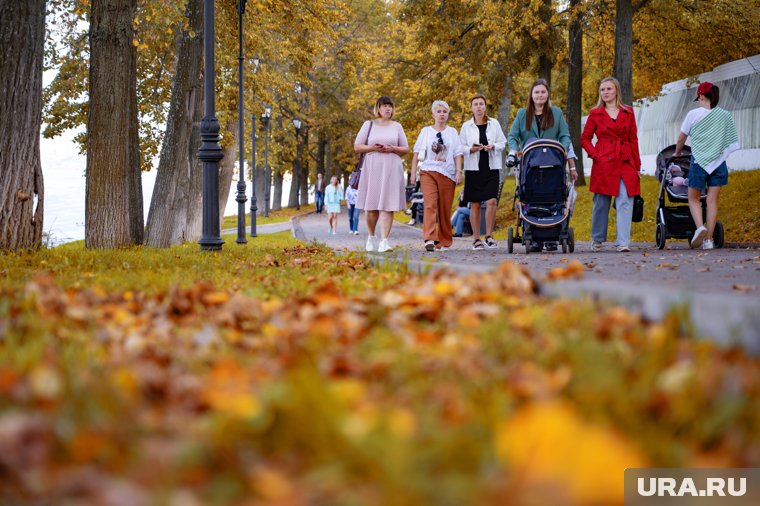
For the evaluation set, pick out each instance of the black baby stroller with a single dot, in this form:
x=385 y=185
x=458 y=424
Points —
x=542 y=197
x=676 y=221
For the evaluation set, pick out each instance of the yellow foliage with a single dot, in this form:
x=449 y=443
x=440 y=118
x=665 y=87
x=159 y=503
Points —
x=550 y=445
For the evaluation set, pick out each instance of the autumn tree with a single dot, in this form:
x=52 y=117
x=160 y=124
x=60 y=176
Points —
x=21 y=186
x=113 y=202
x=175 y=208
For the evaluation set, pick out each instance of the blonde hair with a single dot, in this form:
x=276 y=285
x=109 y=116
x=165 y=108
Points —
x=618 y=97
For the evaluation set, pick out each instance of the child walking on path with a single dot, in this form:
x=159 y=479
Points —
x=353 y=212
x=333 y=194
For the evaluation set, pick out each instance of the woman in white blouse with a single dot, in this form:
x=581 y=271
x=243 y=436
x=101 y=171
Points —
x=438 y=156
x=483 y=142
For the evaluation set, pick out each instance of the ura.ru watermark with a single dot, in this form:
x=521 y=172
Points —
x=682 y=486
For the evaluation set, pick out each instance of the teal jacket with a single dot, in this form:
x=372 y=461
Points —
x=518 y=134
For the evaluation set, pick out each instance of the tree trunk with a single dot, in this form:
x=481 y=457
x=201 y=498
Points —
x=505 y=105
x=22 y=32
x=292 y=195
x=277 y=191
x=545 y=58
x=320 y=168
x=623 y=70
x=575 y=85
x=175 y=208
x=227 y=168
x=260 y=185
x=113 y=189
x=305 y=168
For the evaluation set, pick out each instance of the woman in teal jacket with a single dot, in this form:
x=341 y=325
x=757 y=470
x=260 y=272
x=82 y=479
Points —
x=540 y=120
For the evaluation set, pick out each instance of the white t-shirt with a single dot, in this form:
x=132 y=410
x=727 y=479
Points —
x=439 y=157
x=692 y=118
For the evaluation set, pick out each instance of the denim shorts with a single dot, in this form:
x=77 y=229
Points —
x=699 y=179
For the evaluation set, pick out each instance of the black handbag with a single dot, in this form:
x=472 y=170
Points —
x=638 y=208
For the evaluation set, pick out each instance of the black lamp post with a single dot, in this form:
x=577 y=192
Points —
x=241 y=198
x=254 y=208
x=210 y=152
x=297 y=124
x=267 y=181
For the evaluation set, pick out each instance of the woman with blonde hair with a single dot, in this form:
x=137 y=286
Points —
x=381 y=187
x=483 y=142
x=615 y=164
x=438 y=155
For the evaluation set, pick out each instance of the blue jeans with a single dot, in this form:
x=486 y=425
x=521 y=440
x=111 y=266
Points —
x=699 y=179
x=353 y=218
x=319 y=201
x=600 y=216
x=462 y=214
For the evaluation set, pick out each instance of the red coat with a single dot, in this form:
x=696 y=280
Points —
x=616 y=153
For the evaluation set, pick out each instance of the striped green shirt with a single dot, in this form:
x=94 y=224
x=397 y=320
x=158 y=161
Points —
x=712 y=135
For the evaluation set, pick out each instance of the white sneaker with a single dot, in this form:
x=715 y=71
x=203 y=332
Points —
x=699 y=236
x=411 y=222
x=708 y=244
x=623 y=249
x=429 y=245
x=371 y=243
x=596 y=246
x=384 y=246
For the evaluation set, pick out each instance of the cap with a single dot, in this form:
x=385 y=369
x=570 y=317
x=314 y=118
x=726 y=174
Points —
x=703 y=88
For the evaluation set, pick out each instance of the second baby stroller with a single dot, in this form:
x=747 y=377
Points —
x=542 y=197
x=675 y=221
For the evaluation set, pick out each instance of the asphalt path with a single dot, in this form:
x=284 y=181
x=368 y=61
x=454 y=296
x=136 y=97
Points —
x=719 y=288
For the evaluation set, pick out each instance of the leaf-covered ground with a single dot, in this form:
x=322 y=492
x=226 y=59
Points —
x=279 y=374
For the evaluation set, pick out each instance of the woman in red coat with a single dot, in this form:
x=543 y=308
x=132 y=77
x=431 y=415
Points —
x=616 y=163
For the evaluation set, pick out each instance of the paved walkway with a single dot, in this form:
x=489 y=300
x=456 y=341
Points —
x=720 y=288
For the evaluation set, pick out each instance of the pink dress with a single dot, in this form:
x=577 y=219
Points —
x=381 y=187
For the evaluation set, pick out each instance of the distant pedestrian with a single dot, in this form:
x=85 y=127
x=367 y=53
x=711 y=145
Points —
x=440 y=171
x=381 y=187
x=319 y=193
x=353 y=212
x=333 y=194
x=483 y=142
x=616 y=164
x=713 y=138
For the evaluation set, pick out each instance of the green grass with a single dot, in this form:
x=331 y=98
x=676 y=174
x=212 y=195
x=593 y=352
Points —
x=736 y=210
x=278 y=216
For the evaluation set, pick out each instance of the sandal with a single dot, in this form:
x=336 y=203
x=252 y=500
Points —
x=477 y=244
x=490 y=242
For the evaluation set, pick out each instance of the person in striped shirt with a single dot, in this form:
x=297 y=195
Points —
x=713 y=138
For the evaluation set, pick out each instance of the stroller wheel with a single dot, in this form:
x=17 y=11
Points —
x=510 y=240
x=563 y=243
x=718 y=235
x=659 y=235
x=570 y=239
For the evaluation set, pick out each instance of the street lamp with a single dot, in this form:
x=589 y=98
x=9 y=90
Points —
x=297 y=124
x=267 y=181
x=254 y=207
x=210 y=152
x=241 y=198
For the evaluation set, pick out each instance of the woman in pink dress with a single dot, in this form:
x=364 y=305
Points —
x=381 y=187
